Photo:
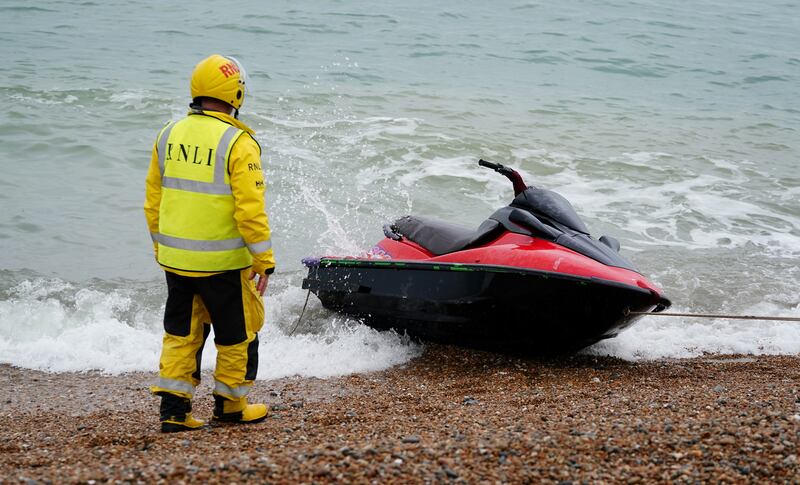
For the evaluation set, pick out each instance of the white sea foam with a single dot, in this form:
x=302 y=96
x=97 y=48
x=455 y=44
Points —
x=687 y=210
x=547 y=158
x=49 y=325
x=646 y=159
x=414 y=168
x=681 y=337
x=676 y=209
x=130 y=98
x=365 y=127
x=334 y=239
x=38 y=99
x=52 y=326
x=389 y=126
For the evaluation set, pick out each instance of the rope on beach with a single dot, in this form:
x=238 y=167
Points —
x=715 y=315
x=301 y=314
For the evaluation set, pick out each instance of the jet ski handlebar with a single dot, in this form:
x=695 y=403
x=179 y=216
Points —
x=509 y=173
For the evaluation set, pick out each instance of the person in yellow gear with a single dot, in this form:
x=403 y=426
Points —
x=204 y=204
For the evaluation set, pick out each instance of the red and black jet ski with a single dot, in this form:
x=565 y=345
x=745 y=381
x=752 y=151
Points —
x=530 y=278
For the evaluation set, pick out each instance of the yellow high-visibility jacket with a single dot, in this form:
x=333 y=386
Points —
x=246 y=181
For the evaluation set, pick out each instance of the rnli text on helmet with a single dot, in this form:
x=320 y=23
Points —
x=229 y=69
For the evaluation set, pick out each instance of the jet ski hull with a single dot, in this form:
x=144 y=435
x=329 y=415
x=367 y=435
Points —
x=484 y=306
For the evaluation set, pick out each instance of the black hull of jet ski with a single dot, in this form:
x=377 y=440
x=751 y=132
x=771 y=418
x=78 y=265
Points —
x=490 y=307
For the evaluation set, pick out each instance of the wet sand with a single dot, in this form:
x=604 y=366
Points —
x=451 y=415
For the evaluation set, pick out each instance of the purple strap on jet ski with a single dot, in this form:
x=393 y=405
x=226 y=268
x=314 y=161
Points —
x=310 y=261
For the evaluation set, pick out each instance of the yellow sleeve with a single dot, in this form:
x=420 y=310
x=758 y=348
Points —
x=247 y=185
x=152 y=196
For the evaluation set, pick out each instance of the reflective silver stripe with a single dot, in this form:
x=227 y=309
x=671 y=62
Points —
x=153 y=236
x=225 y=390
x=218 y=186
x=200 y=245
x=260 y=247
x=222 y=154
x=175 y=385
x=195 y=186
x=162 y=147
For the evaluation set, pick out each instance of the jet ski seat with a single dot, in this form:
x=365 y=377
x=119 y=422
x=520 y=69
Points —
x=441 y=237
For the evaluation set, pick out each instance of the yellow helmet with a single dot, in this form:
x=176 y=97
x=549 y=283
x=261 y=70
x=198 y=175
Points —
x=222 y=78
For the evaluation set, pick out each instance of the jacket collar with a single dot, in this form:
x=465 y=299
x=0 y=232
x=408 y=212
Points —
x=224 y=117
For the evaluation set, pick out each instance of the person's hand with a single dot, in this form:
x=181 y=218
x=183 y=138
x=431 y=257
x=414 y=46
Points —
x=261 y=281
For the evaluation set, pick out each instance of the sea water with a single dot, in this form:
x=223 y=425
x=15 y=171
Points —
x=673 y=127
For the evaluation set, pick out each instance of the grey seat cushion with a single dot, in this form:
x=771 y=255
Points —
x=441 y=237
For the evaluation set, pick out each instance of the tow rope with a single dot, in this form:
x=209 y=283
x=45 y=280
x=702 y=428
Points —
x=302 y=312
x=714 y=315
x=628 y=312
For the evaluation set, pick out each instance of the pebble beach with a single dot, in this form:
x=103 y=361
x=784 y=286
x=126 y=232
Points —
x=450 y=415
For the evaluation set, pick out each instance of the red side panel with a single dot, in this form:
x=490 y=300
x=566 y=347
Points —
x=522 y=251
x=404 y=249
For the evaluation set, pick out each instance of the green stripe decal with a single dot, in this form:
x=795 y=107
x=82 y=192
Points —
x=469 y=268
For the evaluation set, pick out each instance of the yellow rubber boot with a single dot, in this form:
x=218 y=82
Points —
x=176 y=414
x=189 y=423
x=238 y=411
